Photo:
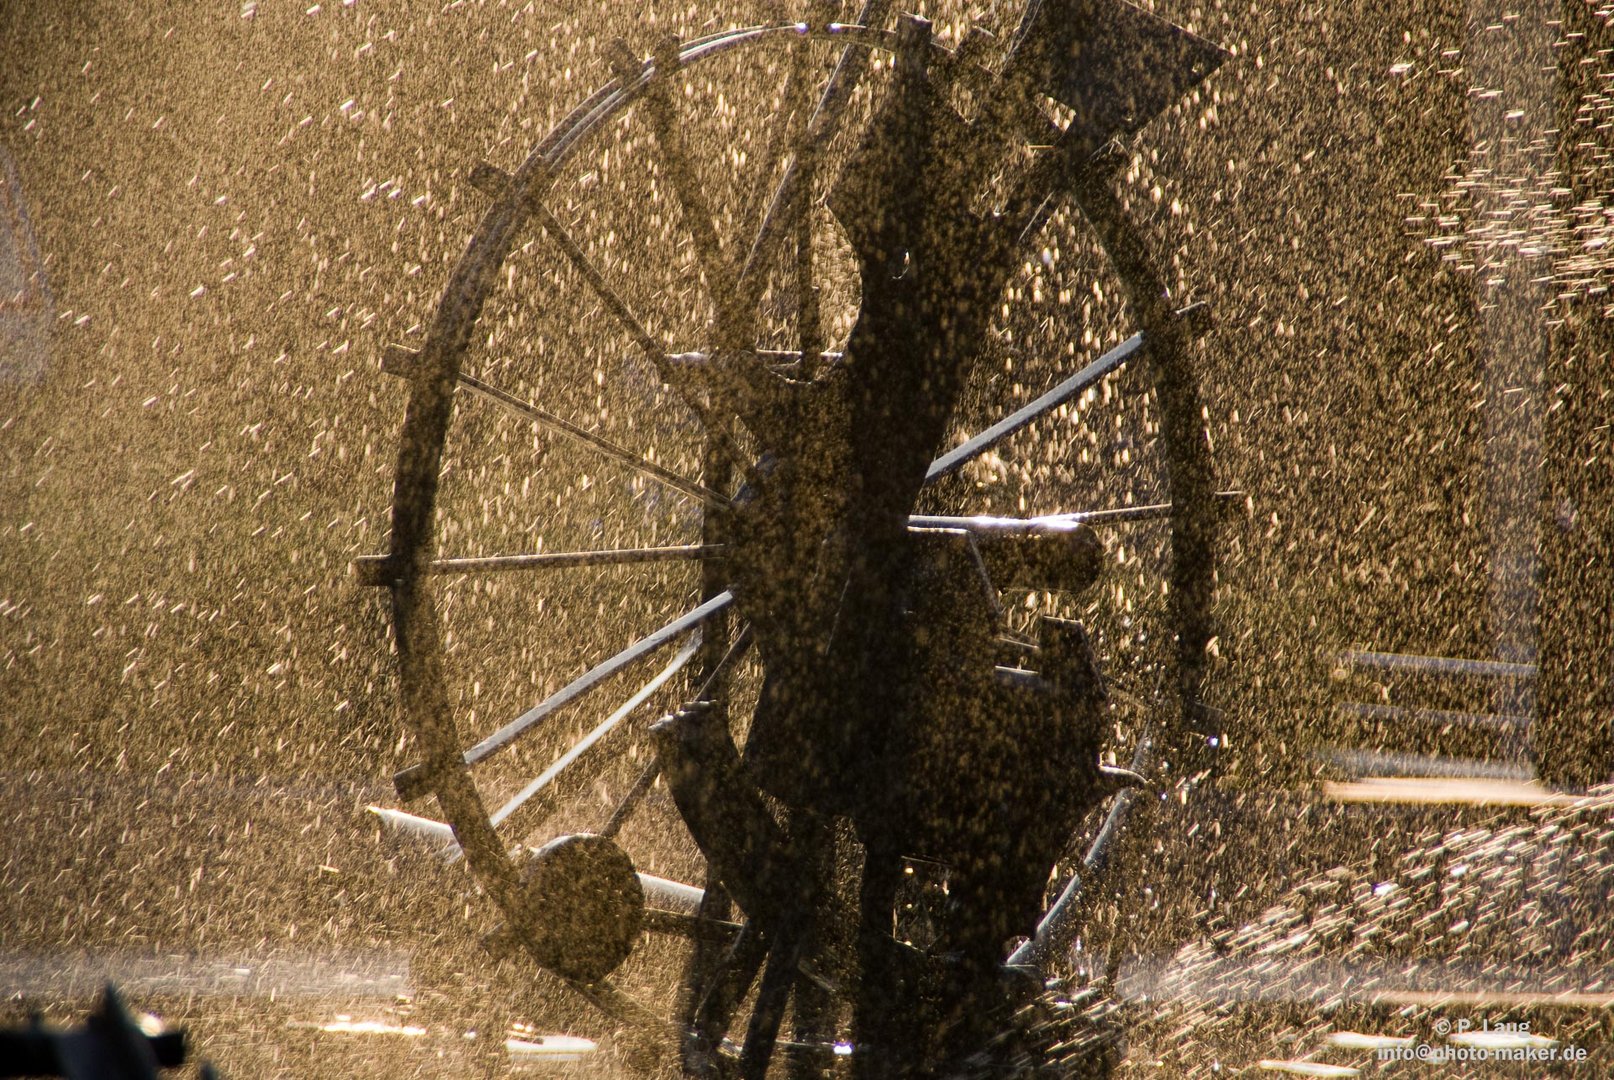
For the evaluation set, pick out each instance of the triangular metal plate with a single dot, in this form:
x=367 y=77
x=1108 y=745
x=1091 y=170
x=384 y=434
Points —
x=1112 y=63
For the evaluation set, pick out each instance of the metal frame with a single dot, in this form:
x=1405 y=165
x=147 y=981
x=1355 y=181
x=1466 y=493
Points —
x=775 y=875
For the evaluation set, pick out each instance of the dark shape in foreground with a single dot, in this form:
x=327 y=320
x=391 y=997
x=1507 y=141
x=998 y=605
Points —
x=110 y=1046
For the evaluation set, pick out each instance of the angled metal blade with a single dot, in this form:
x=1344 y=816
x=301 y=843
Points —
x=1115 y=65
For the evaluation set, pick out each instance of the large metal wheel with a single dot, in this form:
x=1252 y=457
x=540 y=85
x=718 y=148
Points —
x=571 y=453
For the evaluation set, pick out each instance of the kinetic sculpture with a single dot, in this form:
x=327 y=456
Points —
x=893 y=708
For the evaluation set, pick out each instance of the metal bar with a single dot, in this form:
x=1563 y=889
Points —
x=1020 y=679
x=1437 y=665
x=768 y=1011
x=597 y=674
x=1397 y=714
x=792 y=114
x=679 y=924
x=1035 y=526
x=641 y=787
x=416 y=780
x=1092 y=373
x=494 y=182
x=1054 y=929
x=809 y=331
x=528 y=411
x=1372 y=763
x=818 y=132
x=789 y=356
x=675 y=896
x=493 y=179
x=375 y=569
x=1052 y=523
x=543 y=807
x=686 y=186
x=643 y=1023
x=732 y=976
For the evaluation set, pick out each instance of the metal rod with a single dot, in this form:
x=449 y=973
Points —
x=495 y=180
x=732 y=976
x=679 y=924
x=697 y=213
x=1020 y=679
x=768 y=1010
x=1035 y=526
x=643 y=1022
x=1092 y=373
x=542 y=796
x=1052 y=523
x=630 y=802
x=789 y=356
x=374 y=569
x=819 y=130
x=543 y=807
x=1438 y=665
x=1053 y=931
x=528 y=411
x=608 y=296
x=791 y=114
x=595 y=675
x=675 y=896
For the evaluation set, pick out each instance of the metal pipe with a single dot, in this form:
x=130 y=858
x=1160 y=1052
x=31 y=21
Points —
x=544 y=806
x=670 y=895
x=417 y=780
x=1092 y=373
x=1437 y=665
x=379 y=569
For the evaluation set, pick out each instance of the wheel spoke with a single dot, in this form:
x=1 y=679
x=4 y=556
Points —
x=496 y=183
x=980 y=444
x=605 y=996
x=825 y=121
x=809 y=331
x=586 y=759
x=791 y=120
x=548 y=419
x=417 y=779
x=680 y=169
x=1068 y=914
x=1054 y=523
x=381 y=569
x=595 y=675
x=404 y=362
x=1194 y=316
x=641 y=787
x=692 y=927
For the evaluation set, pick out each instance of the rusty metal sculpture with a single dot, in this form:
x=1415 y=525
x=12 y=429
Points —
x=890 y=698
